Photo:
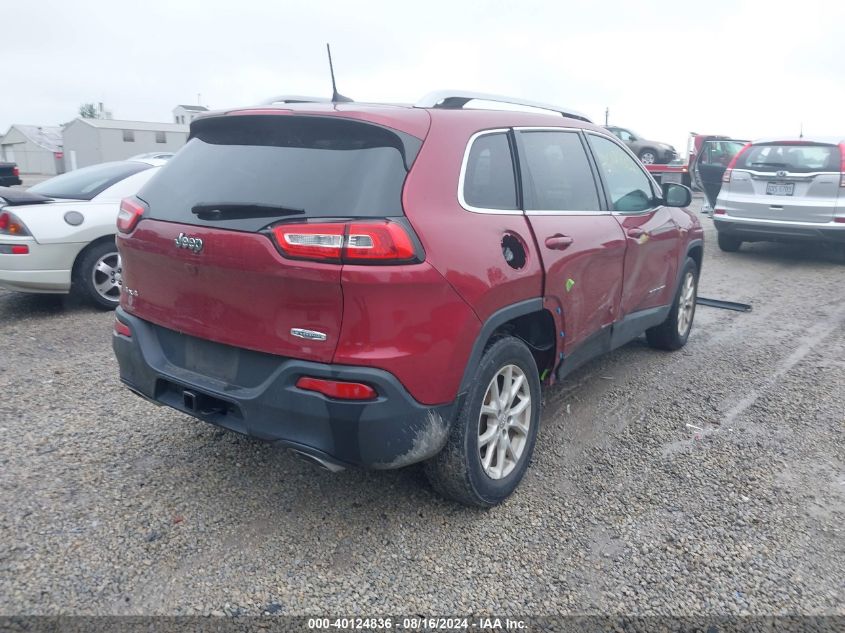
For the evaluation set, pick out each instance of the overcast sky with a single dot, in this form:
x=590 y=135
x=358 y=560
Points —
x=745 y=68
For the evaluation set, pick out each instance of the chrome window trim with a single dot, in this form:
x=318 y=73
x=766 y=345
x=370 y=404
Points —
x=546 y=128
x=567 y=212
x=621 y=145
x=461 y=179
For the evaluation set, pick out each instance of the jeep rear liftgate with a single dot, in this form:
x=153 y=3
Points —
x=242 y=239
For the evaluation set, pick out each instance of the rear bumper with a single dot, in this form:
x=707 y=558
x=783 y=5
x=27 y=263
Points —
x=46 y=268
x=664 y=157
x=259 y=398
x=10 y=181
x=778 y=230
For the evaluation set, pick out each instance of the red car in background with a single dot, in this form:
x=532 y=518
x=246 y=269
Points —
x=708 y=155
x=382 y=285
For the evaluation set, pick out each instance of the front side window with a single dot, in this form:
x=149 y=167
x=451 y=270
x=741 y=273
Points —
x=720 y=153
x=489 y=181
x=627 y=185
x=556 y=172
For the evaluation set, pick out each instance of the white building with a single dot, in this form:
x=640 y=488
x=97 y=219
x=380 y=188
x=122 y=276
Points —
x=36 y=149
x=92 y=141
x=184 y=114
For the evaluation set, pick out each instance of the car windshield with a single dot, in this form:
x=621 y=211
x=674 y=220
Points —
x=791 y=157
x=88 y=182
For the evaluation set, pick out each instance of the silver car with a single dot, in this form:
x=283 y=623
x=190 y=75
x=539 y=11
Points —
x=783 y=190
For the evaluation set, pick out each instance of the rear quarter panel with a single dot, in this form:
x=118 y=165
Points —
x=466 y=247
x=47 y=224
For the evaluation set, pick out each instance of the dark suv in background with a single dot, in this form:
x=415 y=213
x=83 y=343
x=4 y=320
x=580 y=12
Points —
x=377 y=285
x=649 y=152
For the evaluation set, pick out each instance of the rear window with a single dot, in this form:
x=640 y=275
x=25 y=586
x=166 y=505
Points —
x=790 y=157
x=88 y=182
x=247 y=172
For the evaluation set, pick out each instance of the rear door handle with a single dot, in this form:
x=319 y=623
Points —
x=635 y=233
x=558 y=242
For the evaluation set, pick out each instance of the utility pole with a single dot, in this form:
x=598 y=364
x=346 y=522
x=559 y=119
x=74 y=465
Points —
x=606 y=114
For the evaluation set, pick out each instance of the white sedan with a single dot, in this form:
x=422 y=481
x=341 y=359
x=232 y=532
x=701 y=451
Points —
x=58 y=236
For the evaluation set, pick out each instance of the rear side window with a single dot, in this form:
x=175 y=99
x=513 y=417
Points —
x=629 y=188
x=790 y=157
x=556 y=172
x=247 y=172
x=489 y=181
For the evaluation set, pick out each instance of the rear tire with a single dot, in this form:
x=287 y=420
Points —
x=729 y=243
x=673 y=333
x=492 y=438
x=97 y=275
x=648 y=157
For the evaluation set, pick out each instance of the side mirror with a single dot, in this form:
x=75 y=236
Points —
x=675 y=195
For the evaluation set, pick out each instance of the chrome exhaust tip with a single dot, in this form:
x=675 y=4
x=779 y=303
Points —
x=318 y=461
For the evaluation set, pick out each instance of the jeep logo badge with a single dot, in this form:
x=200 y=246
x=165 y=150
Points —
x=191 y=243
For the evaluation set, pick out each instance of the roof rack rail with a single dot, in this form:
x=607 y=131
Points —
x=295 y=99
x=456 y=99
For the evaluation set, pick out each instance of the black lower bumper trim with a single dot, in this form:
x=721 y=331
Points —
x=778 y=233
x=260 y=398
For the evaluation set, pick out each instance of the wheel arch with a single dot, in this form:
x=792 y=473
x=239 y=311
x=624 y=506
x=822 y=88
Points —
x=528 y=321
x=695 y=250
x=74 y=271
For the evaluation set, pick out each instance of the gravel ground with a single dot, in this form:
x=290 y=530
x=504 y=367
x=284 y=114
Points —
x=111 y=505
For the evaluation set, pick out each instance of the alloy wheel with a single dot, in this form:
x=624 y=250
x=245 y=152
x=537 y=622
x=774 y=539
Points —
x=107 y=276
x=504 y=422
x=686 y=304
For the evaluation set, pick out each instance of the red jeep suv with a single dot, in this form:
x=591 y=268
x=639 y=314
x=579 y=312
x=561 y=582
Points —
x=378 y=285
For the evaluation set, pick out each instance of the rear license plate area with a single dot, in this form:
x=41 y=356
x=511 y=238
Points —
x=210 y=359
x=676 y=178
x=780 y=188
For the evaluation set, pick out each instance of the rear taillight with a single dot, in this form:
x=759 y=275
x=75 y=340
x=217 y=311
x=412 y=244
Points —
x=121 y=328
x=377 y=242
x=131 y=210
x=16 y=172
x=11 y=225
x=719 y=212
x=842 y=164
x=321 y=242
x=726 y=177
x=383 y=241
x=337 y=389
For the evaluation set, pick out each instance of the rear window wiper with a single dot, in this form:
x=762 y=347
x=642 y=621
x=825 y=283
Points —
x=237 y=211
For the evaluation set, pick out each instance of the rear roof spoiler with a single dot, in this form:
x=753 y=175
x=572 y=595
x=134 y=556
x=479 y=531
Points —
x=16 y=197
